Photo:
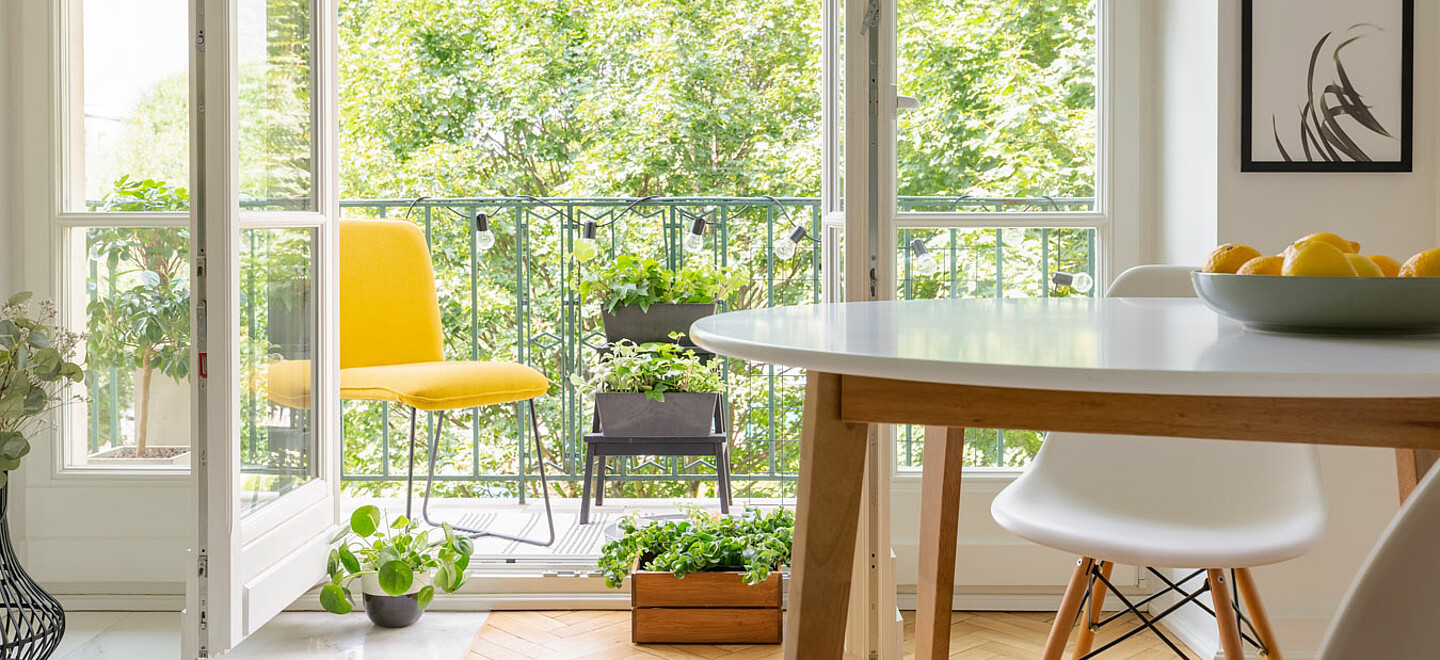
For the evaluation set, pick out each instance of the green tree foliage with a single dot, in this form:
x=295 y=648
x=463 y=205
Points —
x=579 y=97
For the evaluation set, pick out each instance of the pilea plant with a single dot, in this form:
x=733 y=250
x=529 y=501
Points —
x=395 y=554
x=755 y=541
x=644 y=282
x=651 y=369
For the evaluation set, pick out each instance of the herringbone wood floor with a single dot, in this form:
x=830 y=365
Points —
x=601 y=635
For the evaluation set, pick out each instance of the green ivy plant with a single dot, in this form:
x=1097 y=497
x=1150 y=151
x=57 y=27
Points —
x=644 y=282
x=652 y=369
x=36 y=365
x=756 y=542
x=395 y=554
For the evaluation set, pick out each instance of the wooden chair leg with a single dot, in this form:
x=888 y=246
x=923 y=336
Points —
x=1225 y=615
x=1085 y=640
x=939 y=526
x=1069 y=608
x=1250 y=595
x=827 y=519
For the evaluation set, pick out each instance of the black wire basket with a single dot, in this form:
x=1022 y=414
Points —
x=33 y=621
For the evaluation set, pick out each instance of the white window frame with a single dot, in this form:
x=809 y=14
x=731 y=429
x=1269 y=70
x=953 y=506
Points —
x=1116 y=218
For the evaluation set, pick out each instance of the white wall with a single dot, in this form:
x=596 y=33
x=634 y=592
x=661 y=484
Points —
x=1196 y=208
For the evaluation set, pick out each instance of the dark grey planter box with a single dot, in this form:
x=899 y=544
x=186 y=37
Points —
x=656 y=324
x=681 y=415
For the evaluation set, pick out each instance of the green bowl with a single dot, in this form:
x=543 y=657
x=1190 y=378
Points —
x=1325 y=305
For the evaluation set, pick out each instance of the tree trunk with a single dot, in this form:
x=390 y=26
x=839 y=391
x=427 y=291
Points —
x=142 y=417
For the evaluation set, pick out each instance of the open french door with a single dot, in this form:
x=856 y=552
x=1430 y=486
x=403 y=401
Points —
x=266 y=417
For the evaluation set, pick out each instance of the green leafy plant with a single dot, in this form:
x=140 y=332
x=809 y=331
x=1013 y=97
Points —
x=644 y=282
x=143 y=321
x=395 y=554
x=756 y=542
x=36 y=365
x=651 y=369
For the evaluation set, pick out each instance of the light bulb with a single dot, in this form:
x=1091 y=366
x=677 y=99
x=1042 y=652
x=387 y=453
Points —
x=1080 y=282
x=922 y=263
x=1013 y=235
x=484 y=238
x=695 y=238
x=585 y=247
x=784 y=246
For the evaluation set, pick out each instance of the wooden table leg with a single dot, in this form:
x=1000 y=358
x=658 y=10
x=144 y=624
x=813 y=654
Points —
x=939 y=525
x=1225 y=615
x=1412 y=465
x=832 y=469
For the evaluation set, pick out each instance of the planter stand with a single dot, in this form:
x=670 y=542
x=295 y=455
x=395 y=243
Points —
x=598 y=445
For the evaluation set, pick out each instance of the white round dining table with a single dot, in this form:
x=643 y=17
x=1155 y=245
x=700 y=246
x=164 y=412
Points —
x=1142 y=366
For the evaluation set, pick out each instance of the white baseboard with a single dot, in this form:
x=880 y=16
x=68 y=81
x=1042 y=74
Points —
x=121 y=602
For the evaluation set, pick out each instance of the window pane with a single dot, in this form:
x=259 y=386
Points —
x=137 y=321
x=1012 y=262
x=277 y=338
x=1006 y=92
x=133 y=92
x=276 y=118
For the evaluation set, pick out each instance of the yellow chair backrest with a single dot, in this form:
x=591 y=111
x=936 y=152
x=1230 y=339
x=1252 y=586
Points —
x=389 y=313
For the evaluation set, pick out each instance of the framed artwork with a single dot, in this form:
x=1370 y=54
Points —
x=1327 y=85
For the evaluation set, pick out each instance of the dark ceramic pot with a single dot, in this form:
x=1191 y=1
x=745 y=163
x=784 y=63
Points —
x=656 y=324
x=392 y=611
x=680 y=415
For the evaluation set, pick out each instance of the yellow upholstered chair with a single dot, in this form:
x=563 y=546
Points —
x=391 y=346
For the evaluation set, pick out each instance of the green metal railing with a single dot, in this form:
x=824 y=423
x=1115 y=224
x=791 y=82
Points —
x=519 y=301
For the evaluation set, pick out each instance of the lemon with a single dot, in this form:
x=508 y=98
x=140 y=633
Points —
x=1388 y=266
x=1229 y=257
x=1345 y=246
x=1425 y=264
x=1317 y=258
x=1262 y=266
x=1364 y=267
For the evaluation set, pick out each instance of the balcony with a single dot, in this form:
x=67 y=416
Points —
x=519 y=300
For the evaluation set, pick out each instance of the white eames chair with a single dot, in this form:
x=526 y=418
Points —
x=1215 y=506
x=1390 y=612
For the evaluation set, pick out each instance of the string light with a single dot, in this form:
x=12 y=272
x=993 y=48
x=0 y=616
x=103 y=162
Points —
x=1080 y=282
x=784 y=247
x=922 y=263
x=695 y=238
x=484 y=238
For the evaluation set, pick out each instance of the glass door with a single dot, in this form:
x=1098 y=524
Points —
x=266 y=198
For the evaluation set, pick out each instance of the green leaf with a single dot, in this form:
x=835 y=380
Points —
x=445 y=576
x=348 y=560
x=336 y=599
x=365 y=520
x=20 y=298
x=396 y=577
x=400 y=521
x=426 y=594
x=332 y=563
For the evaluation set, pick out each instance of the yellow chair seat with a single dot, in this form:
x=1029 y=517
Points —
x=425 y=385
x=445 y=385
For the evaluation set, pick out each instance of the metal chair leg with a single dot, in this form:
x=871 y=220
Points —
x=585 y=485
x=477 y=533
x=410 y=471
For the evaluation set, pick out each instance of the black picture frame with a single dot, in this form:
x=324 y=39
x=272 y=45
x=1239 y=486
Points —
x=1405 y=163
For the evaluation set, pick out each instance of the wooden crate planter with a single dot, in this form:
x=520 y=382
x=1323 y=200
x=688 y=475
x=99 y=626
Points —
x=713 y=607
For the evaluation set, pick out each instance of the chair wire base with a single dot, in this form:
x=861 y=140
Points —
x=430 y=482
x=1148 y=622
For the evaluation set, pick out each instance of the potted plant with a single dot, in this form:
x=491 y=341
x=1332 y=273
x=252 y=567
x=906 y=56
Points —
x=656 y=389
x=142 y=324
x=398 y=567
x=36 y=369
x=706 y=579
x=643 y=301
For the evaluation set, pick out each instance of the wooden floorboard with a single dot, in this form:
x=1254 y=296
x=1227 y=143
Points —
x=603 y=635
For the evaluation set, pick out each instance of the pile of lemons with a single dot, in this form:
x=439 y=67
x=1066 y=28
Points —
x=1320 y=255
